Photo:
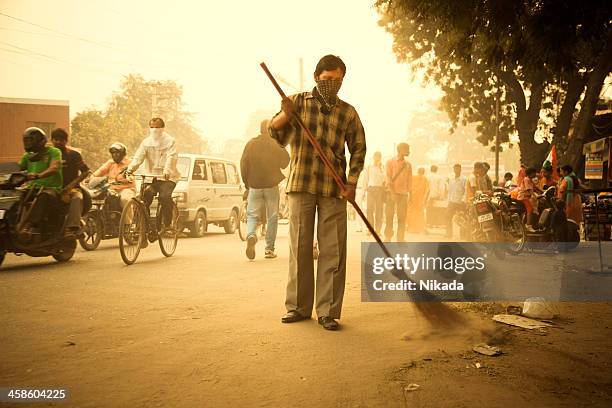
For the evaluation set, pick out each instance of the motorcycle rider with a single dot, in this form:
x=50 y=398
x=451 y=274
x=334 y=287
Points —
x=477 y=181
x=158 y=152
x=73 y=167
x=44 y=170
x=114 y=168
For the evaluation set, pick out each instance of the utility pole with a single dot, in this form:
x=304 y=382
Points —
x=301 y=74
x=496 y=138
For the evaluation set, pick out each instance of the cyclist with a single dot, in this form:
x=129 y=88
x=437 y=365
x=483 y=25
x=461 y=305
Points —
x=158 y=153
x=114 y=168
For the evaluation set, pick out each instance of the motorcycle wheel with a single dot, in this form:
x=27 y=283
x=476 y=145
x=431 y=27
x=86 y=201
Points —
x=67 y=249
x=517 y=234
x=573 y=240
x=92 y=232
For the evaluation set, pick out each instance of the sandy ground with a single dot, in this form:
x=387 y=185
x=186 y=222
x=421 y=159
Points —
x=202 y=329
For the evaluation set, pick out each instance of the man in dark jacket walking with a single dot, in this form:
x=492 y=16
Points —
x=260 y=165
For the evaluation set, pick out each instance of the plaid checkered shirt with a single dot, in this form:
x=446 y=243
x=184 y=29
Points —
x=335 y=130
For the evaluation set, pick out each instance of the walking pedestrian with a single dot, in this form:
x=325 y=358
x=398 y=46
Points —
x=456 y=198
x=261 y=164
x=399 y=187
x=374 y=184
x=415 y=216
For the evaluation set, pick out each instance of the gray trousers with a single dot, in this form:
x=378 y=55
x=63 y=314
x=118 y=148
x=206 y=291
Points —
x=331 y=266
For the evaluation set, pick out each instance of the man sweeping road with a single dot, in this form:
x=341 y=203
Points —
x=312 y=189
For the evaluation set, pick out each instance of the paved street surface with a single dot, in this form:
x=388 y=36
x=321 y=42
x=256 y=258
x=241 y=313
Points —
x=203 y=329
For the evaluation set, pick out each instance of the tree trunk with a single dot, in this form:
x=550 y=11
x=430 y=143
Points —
x=532 y=153
x=589 y=104
x=575 y=87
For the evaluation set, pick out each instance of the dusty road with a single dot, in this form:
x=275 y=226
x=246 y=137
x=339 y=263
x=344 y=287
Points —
x=202 y=329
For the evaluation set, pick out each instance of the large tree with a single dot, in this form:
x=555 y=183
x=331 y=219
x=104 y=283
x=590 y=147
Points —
x=127 y=116
x=521 y=65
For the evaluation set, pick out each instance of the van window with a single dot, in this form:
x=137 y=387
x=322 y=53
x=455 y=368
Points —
x=199 y=170
x=183 y=165
x=218 y=173
x=232 y=174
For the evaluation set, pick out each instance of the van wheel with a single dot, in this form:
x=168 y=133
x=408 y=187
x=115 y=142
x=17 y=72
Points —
x=200 y=225
x=232 y=223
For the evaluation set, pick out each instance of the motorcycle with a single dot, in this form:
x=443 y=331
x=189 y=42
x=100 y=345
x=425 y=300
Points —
x=494 y=218
x=553 y=226
x=15 y=203
x=102 y=220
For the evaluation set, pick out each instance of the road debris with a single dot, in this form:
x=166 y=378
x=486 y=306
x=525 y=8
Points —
x=539 y=308
x=411 y=387
x=483 y=348
x=520 y=321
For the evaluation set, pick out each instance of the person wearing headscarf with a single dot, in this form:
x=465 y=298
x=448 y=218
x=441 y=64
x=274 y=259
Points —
x=573 y=203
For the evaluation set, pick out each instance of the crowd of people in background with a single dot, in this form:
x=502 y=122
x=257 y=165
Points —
x=406 y=202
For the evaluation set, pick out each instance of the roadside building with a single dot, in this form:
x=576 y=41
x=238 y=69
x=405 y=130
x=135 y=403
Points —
x=19 y=114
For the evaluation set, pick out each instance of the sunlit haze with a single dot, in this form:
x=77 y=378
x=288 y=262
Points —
x=212 y=49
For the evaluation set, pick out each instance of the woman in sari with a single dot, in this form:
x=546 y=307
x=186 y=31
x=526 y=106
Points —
x=573 y=203
x=415 y=215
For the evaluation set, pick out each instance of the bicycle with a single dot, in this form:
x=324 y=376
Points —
x=136 y=226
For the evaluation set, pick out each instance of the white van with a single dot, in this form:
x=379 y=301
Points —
x=209 y=192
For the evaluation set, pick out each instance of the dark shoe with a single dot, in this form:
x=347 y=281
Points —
x=292 y=317
x=250 y=249
x=270 y=254
x=328 y=323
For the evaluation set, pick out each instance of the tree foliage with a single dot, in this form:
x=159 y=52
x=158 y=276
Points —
x=126 y=119
x=520 y=65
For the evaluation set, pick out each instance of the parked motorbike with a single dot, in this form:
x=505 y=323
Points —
x=15 y=202
x=102 y=220
x=494 y=218
x=553 y=226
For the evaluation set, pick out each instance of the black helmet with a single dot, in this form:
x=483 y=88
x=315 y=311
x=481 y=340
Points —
x=34 y=140
x=118 y=150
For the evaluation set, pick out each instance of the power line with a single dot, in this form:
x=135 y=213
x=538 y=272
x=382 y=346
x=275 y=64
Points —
x=56 y=31
x=33 y=52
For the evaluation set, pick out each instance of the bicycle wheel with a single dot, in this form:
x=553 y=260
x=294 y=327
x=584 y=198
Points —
x=168 y=234
x=242 y=224
x=131 y=231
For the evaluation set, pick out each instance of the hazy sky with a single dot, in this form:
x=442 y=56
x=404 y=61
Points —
x=211 y=48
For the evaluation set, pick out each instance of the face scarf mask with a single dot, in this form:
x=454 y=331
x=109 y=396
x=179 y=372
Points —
x=328 y=90
x=157 y=135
